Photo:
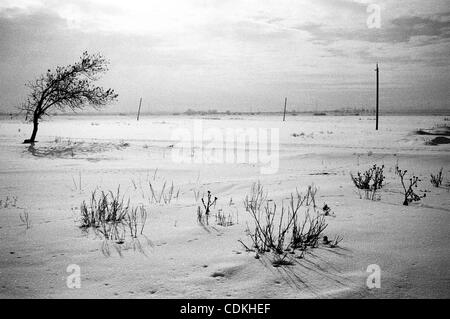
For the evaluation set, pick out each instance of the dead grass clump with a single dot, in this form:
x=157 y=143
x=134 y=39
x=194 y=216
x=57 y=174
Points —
x=436 y=180
x=160 y=191
x=164 y=196
x=104 y=208
x=257 y=198
x=112 y=217
x=136 y=220
x=370 y=181
x=223 y=219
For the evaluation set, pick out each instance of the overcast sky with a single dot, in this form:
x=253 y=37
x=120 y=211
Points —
x=236 y=54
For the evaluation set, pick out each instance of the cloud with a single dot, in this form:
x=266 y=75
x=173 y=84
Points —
x=403 y=29
x=242 y=52
x=344 y=5
x=26 y=33
x=406 y=27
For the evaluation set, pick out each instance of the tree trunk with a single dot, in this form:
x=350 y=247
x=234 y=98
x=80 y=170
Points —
x=32 y=139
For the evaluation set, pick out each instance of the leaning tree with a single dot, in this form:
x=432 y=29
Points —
x=67 y=88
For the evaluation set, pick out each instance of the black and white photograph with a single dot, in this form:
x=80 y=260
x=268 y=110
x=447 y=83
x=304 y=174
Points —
x=224 y=150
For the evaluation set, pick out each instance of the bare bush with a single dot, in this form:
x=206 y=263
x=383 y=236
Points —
x=408 y=190
x=282 y=231
x=369 y=181
x=270 y=229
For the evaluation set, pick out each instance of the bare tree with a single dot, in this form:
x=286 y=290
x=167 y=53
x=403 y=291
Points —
x=67 y=88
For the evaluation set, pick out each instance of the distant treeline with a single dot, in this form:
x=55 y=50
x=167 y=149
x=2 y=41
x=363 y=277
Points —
x=191 y=112
x=354 y=111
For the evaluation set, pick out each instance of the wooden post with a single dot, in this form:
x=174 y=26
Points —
x=139 y=110
x=284 y=114
x=378 y=99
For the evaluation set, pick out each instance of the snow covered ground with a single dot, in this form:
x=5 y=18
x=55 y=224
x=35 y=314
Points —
x=179 y=258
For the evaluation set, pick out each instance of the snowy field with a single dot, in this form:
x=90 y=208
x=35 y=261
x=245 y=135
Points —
x=175 y=256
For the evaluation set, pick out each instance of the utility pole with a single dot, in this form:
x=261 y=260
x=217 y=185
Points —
x=378 y=96
x=285 y=105
x=139 y=110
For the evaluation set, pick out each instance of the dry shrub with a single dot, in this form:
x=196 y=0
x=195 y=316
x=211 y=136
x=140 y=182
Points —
x=409 y=193
x=282 y=230
x=369 y=181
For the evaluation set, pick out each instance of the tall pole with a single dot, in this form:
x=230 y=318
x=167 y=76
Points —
x=139 y=110
x=285 y=105
x=378 y=96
